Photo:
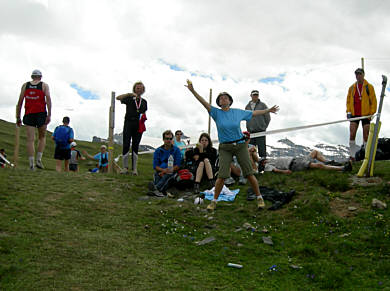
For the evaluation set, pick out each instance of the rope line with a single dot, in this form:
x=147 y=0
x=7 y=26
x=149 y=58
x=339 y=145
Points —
x=264 y=133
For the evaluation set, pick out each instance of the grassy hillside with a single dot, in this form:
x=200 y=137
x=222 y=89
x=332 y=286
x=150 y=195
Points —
x=67 y=231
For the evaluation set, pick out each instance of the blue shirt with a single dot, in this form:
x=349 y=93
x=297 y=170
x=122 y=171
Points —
x=180 y=144
x=161 y=155
x=99 y=157
x=228 y=123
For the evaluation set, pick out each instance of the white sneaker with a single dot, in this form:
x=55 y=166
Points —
x=124 y=171
x=39 y=164
x=242 y=180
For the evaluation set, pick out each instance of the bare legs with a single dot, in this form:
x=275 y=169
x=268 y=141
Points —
x=30 y=131
x=41 y=138
x=59 y=163
x=204 y=165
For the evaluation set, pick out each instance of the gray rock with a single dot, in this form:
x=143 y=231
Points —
x=205 y=241
x=378 y=204
x=352 y=208
x=143 y=198
x=267 y=240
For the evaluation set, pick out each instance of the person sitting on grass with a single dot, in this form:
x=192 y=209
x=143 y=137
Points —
x=205 y=157
x=288 y=165
x=63 y=135
x=75 y=156
x=101 y=157
x=166 y=162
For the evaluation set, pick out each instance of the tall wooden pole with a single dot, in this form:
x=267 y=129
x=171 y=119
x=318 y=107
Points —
x=363 y=63
x=211 y=93
x=111 y=127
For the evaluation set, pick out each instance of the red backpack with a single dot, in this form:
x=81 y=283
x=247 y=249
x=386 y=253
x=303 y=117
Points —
x=184 y=179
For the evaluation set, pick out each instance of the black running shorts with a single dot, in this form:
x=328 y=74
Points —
x=35 y=119
x=61 y=154
x=364 y=121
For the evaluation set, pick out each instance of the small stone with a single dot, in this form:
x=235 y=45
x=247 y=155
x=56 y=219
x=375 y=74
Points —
x=210 y=218
x=296 y=267
x=143 y=198
x=352 y=208
x=264 y=230
x=267 y=240
x=378 y=204
x=345 y=234
x=238 y=229
x=240 y=245
x=205 y=241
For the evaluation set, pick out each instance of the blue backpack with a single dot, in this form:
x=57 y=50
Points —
x=62 y=135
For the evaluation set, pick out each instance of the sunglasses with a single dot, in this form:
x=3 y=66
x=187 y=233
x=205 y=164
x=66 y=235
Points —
x=168 y=138
x=179 y=133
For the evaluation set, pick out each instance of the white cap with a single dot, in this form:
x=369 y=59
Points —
x=73 y=144
x=36 y=73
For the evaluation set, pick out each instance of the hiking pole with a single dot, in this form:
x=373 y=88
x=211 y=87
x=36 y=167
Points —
x=111 y=132
x=16 y=149
x=376 y=129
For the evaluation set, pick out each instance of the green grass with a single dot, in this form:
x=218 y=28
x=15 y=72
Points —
x=68 y=231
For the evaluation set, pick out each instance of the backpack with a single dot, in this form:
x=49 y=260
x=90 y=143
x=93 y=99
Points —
x=62 y=136
x=184 y=179
x=382 y=150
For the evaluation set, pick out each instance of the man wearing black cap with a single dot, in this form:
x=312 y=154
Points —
x=258 y=123
x=361 y=101
x=37 y=99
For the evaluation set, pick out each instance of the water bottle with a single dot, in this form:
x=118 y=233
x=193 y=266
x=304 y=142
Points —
x=170 y=162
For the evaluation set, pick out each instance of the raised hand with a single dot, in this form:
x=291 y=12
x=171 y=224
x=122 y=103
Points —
x=189 y=85
x=274 y=109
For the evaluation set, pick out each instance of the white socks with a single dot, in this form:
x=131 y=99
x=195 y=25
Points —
x=39 y=156
x=352 y=148
x=31 y=160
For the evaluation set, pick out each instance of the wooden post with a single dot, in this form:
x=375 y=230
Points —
x=211 y=93
x=16 y=149
x=363 y=63
x=111 y=127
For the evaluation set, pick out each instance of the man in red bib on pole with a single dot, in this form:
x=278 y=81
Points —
x=361 y=101
x=36 y=97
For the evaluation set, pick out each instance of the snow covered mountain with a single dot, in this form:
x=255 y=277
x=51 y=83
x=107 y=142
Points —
x=287 y=148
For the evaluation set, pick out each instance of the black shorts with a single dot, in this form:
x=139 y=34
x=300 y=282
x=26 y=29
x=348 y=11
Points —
x=364 y=121
x=35 y=119
x=61 y=154
x=73 y=167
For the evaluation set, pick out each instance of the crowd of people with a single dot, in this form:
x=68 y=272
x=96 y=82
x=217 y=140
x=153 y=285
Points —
x=238 y=154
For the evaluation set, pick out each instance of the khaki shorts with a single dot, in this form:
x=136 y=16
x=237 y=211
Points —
x=226 y=153
x=300 y=164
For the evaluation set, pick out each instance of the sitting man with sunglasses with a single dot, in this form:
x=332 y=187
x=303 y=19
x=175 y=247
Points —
x=166 y=162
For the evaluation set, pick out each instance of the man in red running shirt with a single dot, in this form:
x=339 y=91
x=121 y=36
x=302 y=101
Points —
x=361 y=101
x=37 y=98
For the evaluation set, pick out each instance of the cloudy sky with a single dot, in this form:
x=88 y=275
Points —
x=300 y=55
